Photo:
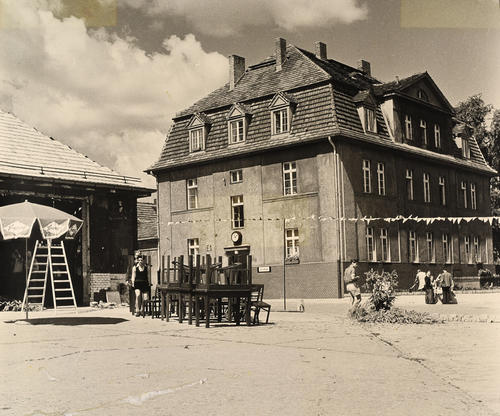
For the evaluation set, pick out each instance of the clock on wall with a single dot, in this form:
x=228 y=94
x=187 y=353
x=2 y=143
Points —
x=236 y=237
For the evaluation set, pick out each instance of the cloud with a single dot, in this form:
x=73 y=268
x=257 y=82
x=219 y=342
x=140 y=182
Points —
x=227 y=17
x=97 y=92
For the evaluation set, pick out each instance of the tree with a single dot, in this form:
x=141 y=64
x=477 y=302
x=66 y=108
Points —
x=474 y=112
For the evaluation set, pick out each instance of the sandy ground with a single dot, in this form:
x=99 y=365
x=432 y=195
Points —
x=106 y=362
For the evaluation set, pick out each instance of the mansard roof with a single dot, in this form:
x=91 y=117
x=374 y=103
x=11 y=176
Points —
x=325 y=93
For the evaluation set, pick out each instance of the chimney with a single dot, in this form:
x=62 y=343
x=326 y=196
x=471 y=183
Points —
x=280 y=51
x=320 y=50
x=364 y=66
x=236 y=70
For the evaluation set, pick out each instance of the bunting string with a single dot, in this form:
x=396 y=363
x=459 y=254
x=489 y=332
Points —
x=399 y=218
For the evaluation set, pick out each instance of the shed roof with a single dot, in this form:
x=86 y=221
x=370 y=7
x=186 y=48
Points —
x=26 y=152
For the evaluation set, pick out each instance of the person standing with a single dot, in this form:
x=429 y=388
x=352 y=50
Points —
x=419 y=282
x=429 y=291
x=446 y=283
x=351 y=281
x=140 y=283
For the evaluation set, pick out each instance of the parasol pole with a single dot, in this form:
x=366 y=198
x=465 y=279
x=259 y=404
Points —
x=26 y=272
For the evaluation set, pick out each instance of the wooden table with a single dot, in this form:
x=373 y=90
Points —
x=205 y=292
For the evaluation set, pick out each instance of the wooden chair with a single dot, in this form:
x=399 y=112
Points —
x=257 y=304
x=152 y=306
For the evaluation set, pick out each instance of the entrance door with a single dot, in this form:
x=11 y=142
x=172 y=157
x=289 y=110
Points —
x=238 y=256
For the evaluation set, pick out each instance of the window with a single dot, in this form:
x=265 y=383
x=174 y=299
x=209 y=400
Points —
x=427 y=188
x=409 y=184
x=477 y=249
x=446 y=248
x=442 y=190
x=292 y=242
x=193 y=247
x=371 y=253
x=412 y=247
x=423 y=127
x=280 y=121
x=236 y=131
x=289 y=178
x=463 y=187
x=431 y=253
x=238 y=218
x=473 y=204
x=437 y=136
x=422 y=95
x=467 y=249
x=384 y=245
x=371 y=122
x=192 y=193
x=465 y=148
x=381 y=178
x=236 y=176
x=408 y=128
x=196 y=139
x=367 y=178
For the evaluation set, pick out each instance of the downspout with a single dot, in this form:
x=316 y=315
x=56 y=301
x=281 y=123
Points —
x=159 y=271
x=338 y=211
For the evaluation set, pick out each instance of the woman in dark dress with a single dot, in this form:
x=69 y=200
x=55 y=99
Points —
x=140 y=283
x=429 y=291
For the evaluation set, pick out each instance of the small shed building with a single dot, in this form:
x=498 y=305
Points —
x=40 y=169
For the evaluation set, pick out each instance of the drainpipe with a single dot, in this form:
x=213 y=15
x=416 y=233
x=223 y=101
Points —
x=338 y=210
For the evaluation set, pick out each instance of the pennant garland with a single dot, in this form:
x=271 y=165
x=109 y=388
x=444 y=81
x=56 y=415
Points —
x=428 y=220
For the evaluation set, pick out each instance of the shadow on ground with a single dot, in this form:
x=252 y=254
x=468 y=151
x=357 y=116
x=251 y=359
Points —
x=71 y=320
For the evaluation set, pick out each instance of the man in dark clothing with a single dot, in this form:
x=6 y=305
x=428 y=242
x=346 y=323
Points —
x=446 y=283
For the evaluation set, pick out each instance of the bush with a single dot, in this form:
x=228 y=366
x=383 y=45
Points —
x=383 y=287
x=393 y=316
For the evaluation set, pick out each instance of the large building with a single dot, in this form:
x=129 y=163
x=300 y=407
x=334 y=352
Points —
x=40 y=169
x=291 y=159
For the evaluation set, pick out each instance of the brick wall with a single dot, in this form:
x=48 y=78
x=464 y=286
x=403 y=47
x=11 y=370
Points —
x=106 y=281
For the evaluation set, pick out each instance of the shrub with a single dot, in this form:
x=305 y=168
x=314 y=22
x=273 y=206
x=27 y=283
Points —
x=383 y=287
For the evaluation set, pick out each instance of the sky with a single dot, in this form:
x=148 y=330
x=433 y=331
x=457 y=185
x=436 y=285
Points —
x=107 y=76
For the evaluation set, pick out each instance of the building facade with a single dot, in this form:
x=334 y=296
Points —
x=304 y=163
x=42 y=170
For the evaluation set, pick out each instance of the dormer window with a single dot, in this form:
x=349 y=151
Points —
x=281 y=114
x=371 y=123
x=465 y=148
x=236 y=131
x=198 y=129
x=280 y=121
x=237 y=123
x=196 y=139
x=422 y=95
x=366 y=106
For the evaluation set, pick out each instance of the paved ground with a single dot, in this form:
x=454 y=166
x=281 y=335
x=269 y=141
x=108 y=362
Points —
x=105 y=362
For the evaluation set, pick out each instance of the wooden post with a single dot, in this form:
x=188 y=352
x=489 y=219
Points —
x=249 y=271
x=208 y=275
x=198 y=270
x=180 y=265
x=162 y=270
x=174 y=270
x=207 y=312
x=197 y=310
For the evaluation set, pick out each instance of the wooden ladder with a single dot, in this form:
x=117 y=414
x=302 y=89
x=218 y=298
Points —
x=62 y=287
x=36 y=284
x=51 y=256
